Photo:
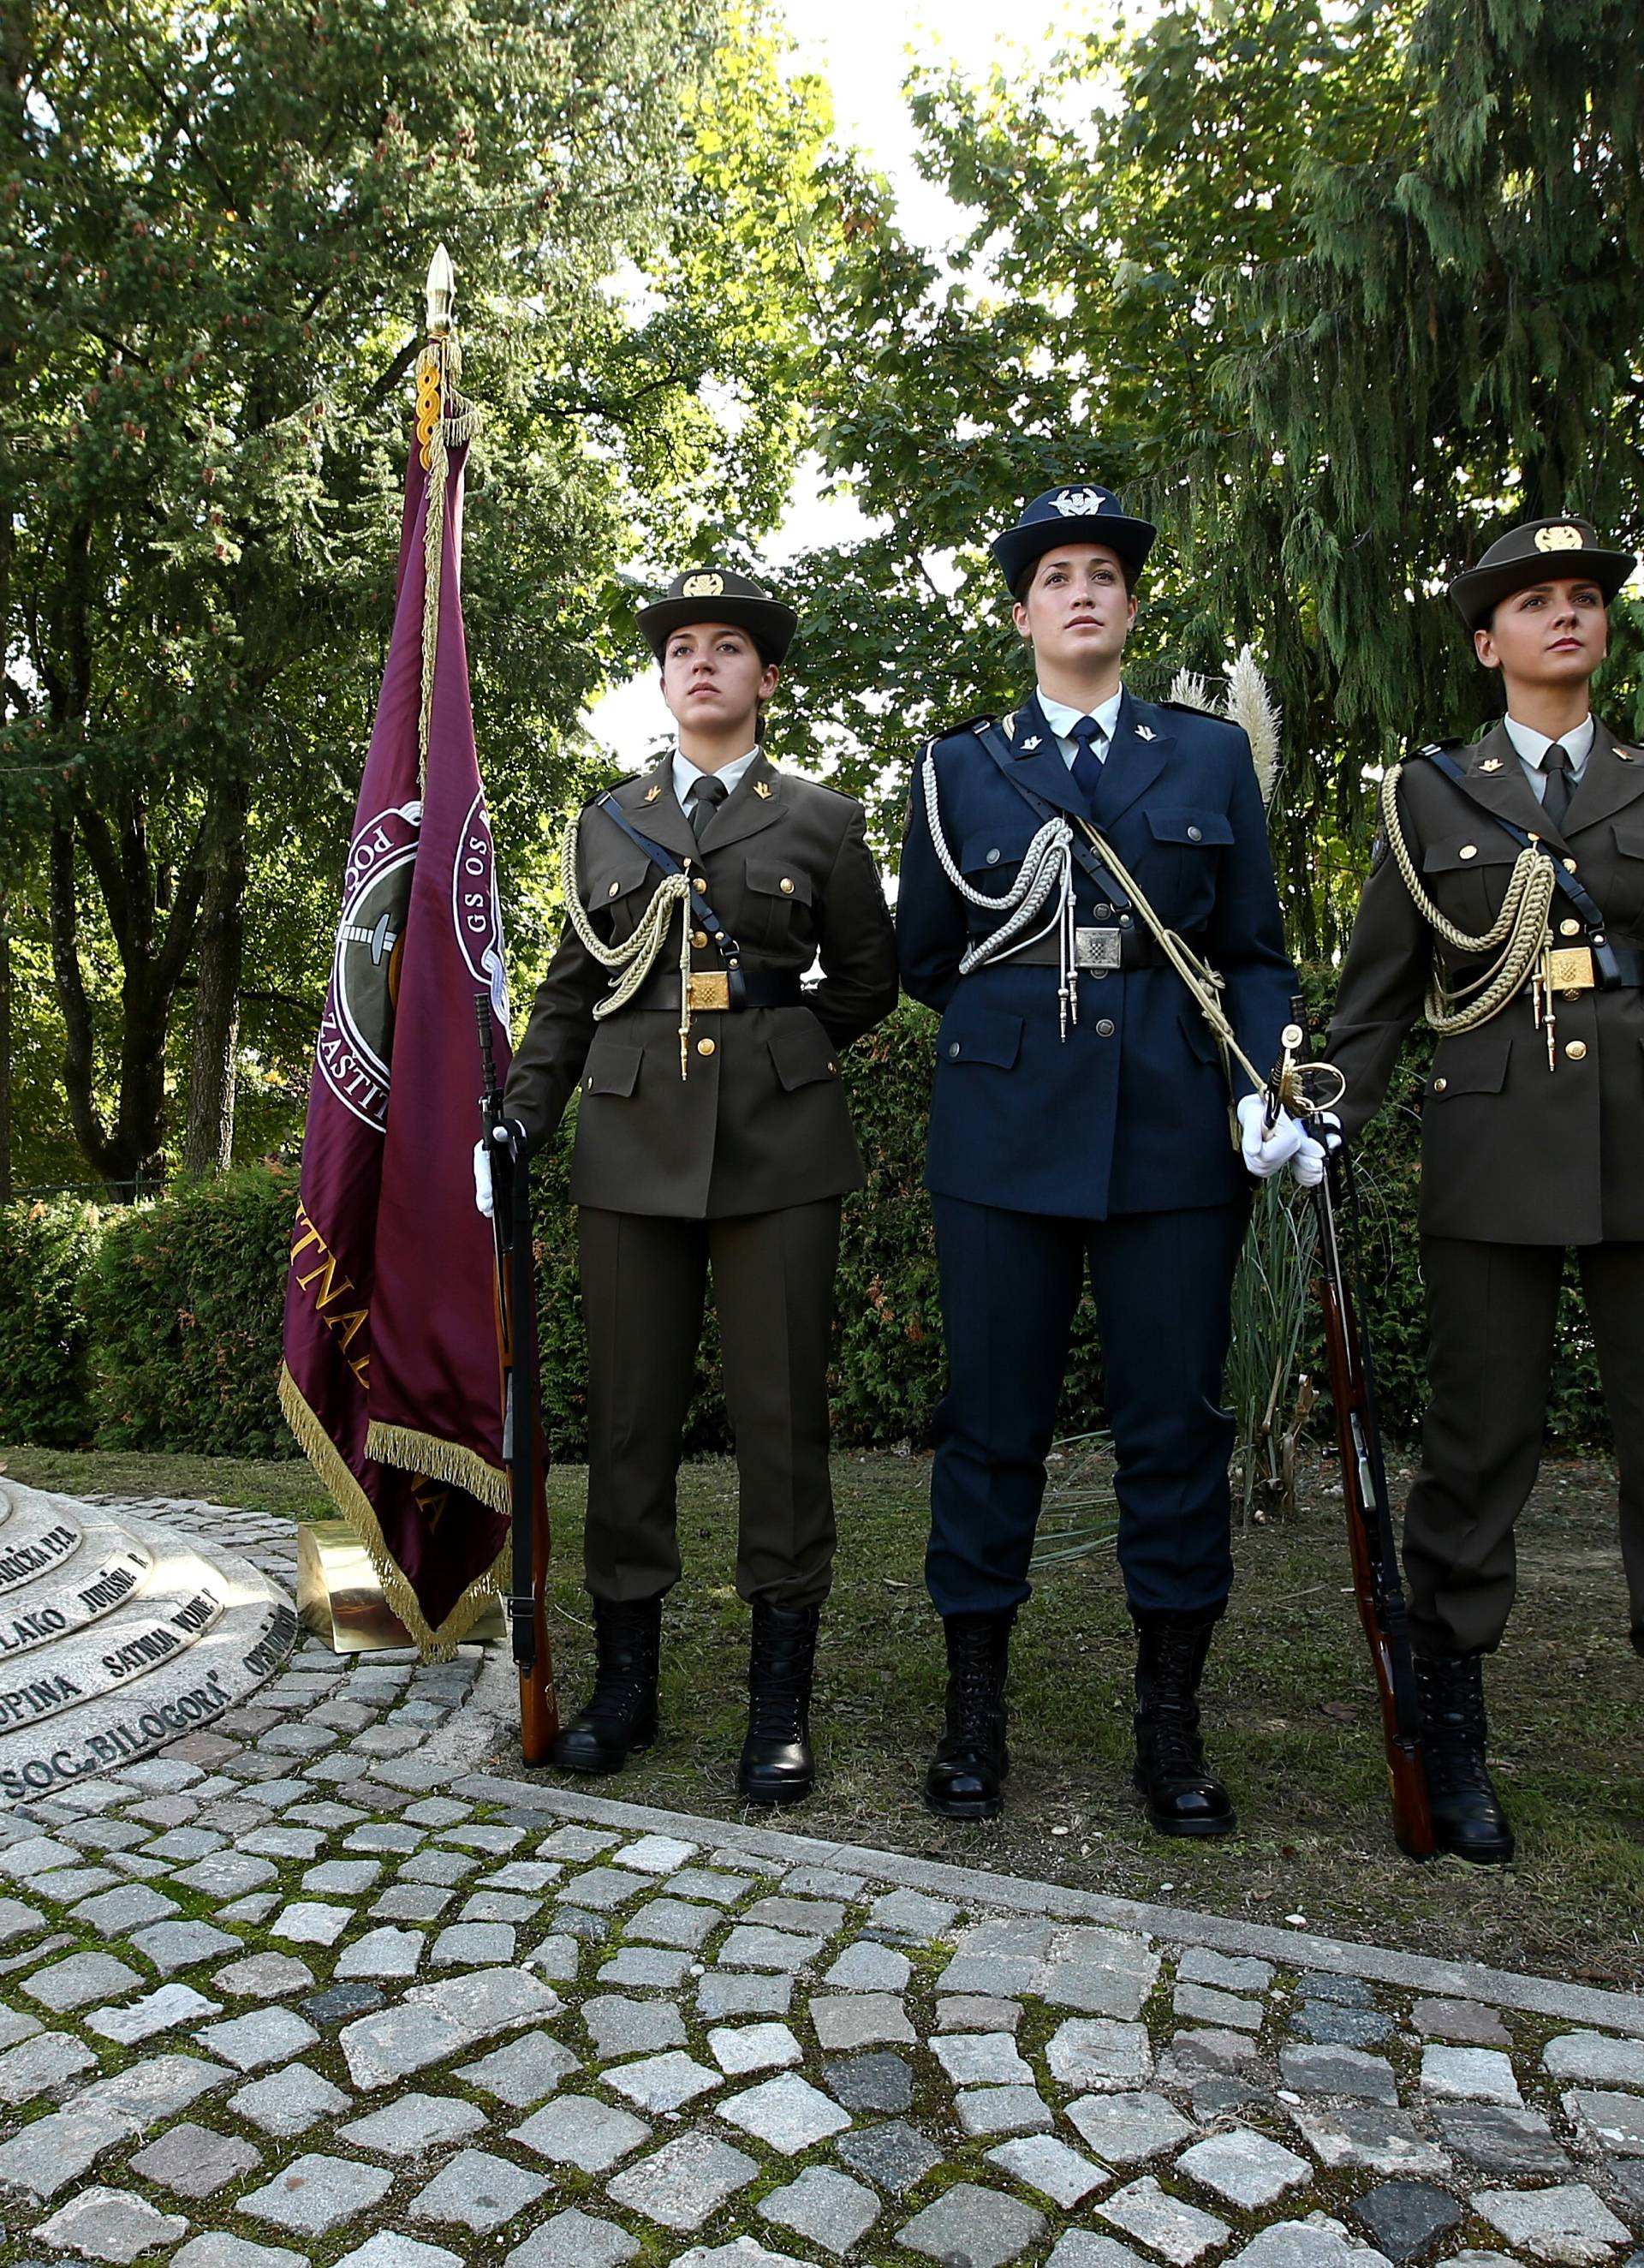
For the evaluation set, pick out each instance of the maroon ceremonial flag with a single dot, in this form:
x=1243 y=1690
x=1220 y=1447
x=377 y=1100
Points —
x=390 y=1380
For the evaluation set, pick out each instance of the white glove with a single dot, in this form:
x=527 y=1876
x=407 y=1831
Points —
x=1307 y=1167
x=1266 y=1158
x=482 y=1200
x=1325 y=1126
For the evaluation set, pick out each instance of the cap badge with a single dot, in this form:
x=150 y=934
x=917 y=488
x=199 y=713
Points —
x=702 y=586
x=1559 y=539
x=1078 y=503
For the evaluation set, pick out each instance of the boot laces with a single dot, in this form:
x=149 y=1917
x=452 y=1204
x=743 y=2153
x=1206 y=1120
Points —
x=972 y=1689
x=778 y=1685
x=1168 y=1712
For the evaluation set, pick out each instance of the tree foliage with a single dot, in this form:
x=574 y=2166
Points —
x=1327 y=294
x=214 y=226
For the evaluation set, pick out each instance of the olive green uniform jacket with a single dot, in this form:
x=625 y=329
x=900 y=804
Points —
x=759 y=1120
x=1513 y=1151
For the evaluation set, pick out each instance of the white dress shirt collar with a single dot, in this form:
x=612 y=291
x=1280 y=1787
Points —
x=1533 y=745
x=1061 y=720
x=687 y=774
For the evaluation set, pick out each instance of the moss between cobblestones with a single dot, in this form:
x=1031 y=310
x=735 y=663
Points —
x=1290 y=1714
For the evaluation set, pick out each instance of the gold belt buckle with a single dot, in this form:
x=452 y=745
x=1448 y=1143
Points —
x=1570 y=968
x=710 y=988
x=1095 y=948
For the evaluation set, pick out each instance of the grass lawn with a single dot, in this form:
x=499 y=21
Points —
x=1291 y=1712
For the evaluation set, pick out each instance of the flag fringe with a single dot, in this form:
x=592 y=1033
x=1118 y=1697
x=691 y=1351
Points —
x=356 y=1508
x=441 y=1461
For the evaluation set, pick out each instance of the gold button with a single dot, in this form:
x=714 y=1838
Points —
x=699 y=936
x=614 y=887
x=1569 y=929
x=833 y=1066
x=705 y=1047
x=1468 y=850
x=1440 y=1084
x=1569 y=865
x=785 y=885
x=700 y=881
x=1577 y=1051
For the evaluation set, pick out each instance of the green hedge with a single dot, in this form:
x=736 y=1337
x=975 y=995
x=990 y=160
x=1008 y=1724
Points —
x=174 y=1319
x=43 y=1249
x=183 y=1306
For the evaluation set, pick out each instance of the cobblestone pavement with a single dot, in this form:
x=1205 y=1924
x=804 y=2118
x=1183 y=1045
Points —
x=346 y=1999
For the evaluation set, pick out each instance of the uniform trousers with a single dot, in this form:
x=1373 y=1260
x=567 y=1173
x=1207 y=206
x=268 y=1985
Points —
x=643 y=1278
x=1491 y=1313
x=1010 y=1282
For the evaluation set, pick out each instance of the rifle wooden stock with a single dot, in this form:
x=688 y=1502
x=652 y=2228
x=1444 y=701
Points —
x=1376 y=1580
x=514 y=1307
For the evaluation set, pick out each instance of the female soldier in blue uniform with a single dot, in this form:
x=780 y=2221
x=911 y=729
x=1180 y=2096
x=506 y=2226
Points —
x=1081 y=1118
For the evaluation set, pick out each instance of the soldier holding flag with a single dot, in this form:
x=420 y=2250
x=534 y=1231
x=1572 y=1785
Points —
x=712 y=1137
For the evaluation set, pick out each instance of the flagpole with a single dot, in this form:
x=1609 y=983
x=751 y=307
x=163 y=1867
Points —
x=439 y=367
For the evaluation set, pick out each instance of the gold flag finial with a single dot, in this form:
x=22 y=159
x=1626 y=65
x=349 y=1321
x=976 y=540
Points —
x=442 y=293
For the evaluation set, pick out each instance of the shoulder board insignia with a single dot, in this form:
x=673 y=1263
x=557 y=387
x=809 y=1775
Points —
x=966 y=724
x=1440 y=747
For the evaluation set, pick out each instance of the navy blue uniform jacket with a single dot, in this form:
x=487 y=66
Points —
x=1130 y=1113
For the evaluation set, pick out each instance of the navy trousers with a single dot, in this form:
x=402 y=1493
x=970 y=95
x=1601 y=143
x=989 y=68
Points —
x=1010 y=1282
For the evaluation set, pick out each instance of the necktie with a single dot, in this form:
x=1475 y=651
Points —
x=1556 y=801
x=1089 y=740
x=707 y=795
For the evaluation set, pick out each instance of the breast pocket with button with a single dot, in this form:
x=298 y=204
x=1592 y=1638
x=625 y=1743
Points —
x=776 y=903
x=1183 y=863
x=1467 y=879
x=989 y=860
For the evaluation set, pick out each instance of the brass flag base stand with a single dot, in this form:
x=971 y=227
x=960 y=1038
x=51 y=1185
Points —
x=339 y=1599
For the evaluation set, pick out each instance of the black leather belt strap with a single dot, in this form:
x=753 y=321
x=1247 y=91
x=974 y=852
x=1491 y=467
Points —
x=761 y=988
x=1137 y=949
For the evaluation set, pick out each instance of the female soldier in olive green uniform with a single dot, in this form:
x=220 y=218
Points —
x=712 y=1135
x=1533 y=1118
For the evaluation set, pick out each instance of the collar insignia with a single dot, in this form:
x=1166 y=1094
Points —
x=1078 y=503
x=651 y=793
x=1491 y=764
x=1145 y=732
x=761 y=788
x=1031 y=742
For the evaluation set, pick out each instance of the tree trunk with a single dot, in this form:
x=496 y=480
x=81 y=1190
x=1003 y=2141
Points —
x=5 y=1044
x=209 y=1135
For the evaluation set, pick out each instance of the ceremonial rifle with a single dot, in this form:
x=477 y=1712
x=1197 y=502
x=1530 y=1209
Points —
x=1376 y=1582
x=523 y=1446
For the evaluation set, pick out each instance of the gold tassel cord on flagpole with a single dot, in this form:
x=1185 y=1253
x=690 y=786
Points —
x=444 y=421
x=433 y=1644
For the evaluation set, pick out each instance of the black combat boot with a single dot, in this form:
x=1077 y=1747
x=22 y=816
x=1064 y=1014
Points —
x=1467 y=1815
x=621 y=1714
x=1184 y=1796
x=777 y=1765
x=966 y=1774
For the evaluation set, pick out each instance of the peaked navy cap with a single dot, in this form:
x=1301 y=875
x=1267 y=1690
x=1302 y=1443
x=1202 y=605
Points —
x=1537 y=551
x=1082 y=514
x=714 y=594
